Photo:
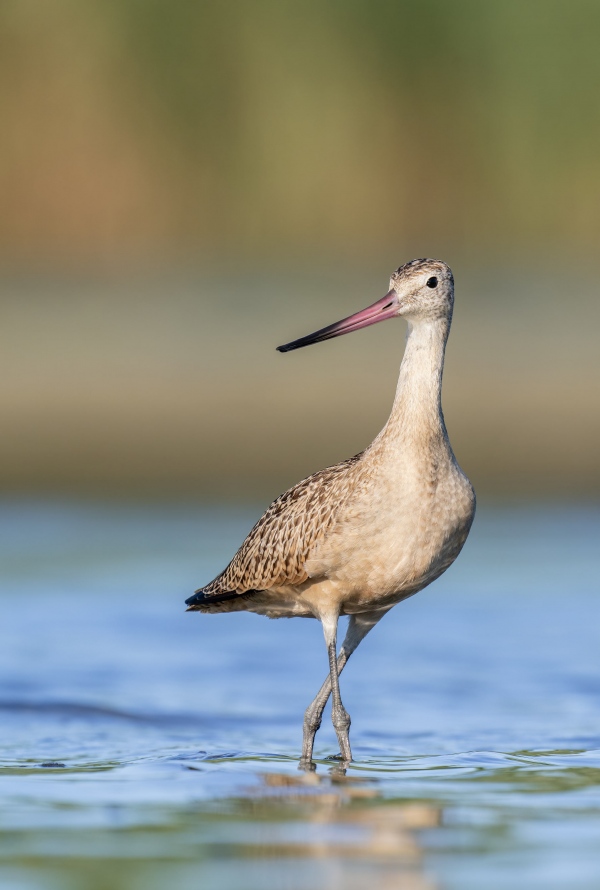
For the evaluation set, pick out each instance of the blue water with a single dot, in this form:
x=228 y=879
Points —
x=141 y=746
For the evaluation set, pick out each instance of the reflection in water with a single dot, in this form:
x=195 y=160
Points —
x=347 y=820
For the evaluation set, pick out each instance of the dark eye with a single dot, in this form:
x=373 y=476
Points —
x=432 y=282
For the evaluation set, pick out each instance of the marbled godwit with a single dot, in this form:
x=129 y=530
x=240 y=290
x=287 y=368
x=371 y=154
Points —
x=359 y=537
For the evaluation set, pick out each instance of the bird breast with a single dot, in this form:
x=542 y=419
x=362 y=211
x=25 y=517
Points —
x=396 y=536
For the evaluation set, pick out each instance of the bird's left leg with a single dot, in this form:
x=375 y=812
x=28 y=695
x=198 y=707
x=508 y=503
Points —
x=339 y=715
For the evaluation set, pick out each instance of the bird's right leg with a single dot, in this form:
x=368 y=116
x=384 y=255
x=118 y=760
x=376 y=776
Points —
x=358 y=627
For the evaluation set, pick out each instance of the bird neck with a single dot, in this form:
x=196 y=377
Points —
x=416 y=416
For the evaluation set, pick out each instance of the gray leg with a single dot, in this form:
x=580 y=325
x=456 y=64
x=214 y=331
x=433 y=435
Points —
x=339 y=715
x=358 y=627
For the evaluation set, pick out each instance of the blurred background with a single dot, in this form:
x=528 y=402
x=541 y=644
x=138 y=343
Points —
x=186 y=185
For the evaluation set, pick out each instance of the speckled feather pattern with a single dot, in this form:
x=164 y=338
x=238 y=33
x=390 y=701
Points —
x=276 y=550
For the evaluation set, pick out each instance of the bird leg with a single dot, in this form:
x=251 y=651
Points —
x=339 y=715
x=358 y=627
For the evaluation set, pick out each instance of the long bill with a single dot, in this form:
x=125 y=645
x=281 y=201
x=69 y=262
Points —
x=387 y=307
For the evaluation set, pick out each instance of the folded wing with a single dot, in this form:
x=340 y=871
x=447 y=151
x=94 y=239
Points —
x=275 y=552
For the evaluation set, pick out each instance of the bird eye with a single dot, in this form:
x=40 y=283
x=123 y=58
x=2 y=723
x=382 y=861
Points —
x=431 y=282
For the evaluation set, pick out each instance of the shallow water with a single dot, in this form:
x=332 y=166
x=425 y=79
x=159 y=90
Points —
x=145 y=747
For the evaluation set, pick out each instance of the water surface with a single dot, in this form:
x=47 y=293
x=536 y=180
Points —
x=145 y=747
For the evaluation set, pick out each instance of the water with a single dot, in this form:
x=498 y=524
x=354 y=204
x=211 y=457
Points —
x=143 y=747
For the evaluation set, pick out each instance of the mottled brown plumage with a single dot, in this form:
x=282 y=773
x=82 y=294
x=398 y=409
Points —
x=276 y=549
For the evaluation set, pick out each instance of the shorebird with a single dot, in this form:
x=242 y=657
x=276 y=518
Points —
x=359 y=537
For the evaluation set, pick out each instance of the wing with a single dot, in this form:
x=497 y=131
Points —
x=275 y=551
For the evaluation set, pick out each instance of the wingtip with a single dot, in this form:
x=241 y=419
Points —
x=194 y=600
x=201 y=601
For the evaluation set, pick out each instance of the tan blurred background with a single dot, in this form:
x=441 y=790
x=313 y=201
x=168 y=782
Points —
x=184 y=185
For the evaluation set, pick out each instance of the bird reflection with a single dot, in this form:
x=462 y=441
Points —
x=364 y=839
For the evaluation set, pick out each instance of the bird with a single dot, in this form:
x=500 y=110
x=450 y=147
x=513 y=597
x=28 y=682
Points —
x=359 y=537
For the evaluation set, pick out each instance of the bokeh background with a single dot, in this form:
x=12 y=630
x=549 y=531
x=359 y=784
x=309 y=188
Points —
x=185 y=185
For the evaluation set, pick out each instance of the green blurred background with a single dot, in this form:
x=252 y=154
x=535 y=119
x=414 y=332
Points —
x=184 y=185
